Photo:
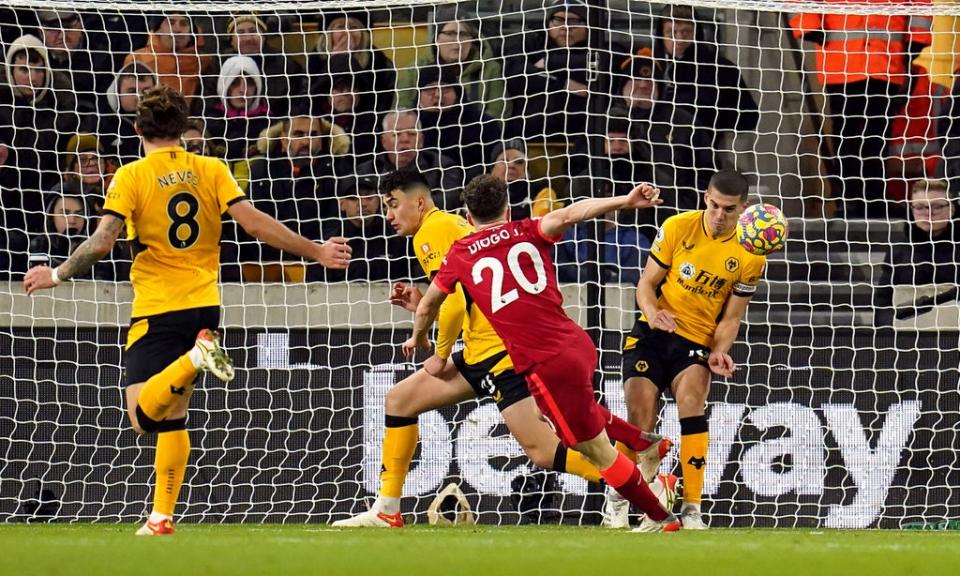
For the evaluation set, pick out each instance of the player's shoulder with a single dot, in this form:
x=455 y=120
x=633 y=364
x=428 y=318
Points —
x=440 y=223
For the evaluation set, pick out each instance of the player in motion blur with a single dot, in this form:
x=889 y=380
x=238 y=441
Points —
x=481 y=369
x=506 y=269
x=692 y=296
x=171 y=203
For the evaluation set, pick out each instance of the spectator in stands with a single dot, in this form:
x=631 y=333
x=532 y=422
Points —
x=284 y=79
x=622 y=249
x=241 y=112
x=120 y=108
x=459 y=129
x=700 y=78
x=527 y=198
x=457 y=48
x=347 y=33
x=294 y=182
x=196 y=139
x=68 y=224
x=14 y=242
x=930 y=252
x=172 y=52
x=89 y=68
x=343 y=106
x=672 y=153
x=913 y=150
x=85 y=166
x=863 y=93
x=37 y=112
x=548 y=81
x=378 y=252
x=402 y=145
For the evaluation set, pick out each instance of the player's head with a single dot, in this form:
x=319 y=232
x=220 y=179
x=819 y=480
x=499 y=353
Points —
x=486 y=199
x=162 y=114
x=726 y=198
x=407 y=197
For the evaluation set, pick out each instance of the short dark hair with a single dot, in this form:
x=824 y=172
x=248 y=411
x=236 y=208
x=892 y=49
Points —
x=162 y=113
x=730 y=183
x=485 y=197
x=403 y=179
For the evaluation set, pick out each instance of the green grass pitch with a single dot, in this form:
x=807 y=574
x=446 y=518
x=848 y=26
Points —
x=92 y=549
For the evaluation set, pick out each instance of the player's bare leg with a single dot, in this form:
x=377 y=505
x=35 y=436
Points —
x=690 y=389
x=412 y=396
x=642 y=399
x=159 y=406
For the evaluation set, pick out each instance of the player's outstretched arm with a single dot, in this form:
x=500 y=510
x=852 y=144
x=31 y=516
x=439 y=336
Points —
x=556 y=223
x=427 y=312
x=720 y=361
x=334 y=253
x=653 y=275
x=86 y=255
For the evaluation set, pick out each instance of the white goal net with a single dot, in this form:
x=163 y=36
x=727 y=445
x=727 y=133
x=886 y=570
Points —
x=844 y=409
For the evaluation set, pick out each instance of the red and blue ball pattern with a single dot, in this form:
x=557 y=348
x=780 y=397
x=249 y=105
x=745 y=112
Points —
x=762 y=229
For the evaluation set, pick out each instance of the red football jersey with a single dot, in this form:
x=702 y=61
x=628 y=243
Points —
x=508 y=271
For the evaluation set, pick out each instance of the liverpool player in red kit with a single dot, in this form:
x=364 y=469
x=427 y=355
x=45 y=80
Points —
x=506 y=269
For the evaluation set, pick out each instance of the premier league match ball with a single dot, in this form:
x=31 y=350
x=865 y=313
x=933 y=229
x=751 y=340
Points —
x=762 y=229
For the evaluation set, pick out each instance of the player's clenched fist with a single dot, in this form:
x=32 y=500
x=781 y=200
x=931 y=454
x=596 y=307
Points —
x=405 y=296
x=334 y=253
x=664 y=320
x=643 y=196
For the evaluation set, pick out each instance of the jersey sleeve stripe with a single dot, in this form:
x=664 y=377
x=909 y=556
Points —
x=657 y=260
x=114 y=213
x=444 y=288
x=235 y=200
x=550 y=239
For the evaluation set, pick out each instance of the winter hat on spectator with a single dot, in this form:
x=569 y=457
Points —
x=131 y=69
x=28 y=43
x=455 y=13
x=78 y=144
x=51 y=18
x=640 y=65
x=326 y=18
x=366 y=185
x=578 y=7
x=512 y=144
x=232 y=25
x=156 y=21
x=235 y=67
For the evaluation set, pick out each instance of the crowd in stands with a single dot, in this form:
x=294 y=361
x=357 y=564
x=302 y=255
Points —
x=307 y=132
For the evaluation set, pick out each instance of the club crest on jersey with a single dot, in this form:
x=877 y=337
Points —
x=687 y=270
x=731 y=264
x=641 y=366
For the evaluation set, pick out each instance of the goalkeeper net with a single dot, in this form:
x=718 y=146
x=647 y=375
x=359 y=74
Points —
x=843 y=412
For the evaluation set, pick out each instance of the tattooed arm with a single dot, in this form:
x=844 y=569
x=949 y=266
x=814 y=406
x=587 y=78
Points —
x=86 y=255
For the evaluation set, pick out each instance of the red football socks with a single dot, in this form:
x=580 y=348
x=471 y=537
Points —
x=625 y=477
x=619 y=430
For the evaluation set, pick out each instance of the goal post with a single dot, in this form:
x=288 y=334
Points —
x=843 y=411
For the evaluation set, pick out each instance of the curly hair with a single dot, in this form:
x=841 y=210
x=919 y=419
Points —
x=485 y=197
x=162 y=113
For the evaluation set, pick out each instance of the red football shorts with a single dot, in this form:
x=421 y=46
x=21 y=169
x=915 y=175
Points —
x=563 y=389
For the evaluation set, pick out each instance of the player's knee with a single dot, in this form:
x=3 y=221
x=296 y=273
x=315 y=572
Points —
x=541 y=456
x=398 y=402
x=690 y=404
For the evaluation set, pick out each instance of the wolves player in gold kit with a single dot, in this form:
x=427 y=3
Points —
x=692 y=296
x=171 y=203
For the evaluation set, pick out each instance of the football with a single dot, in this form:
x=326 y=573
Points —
x=762 y=229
